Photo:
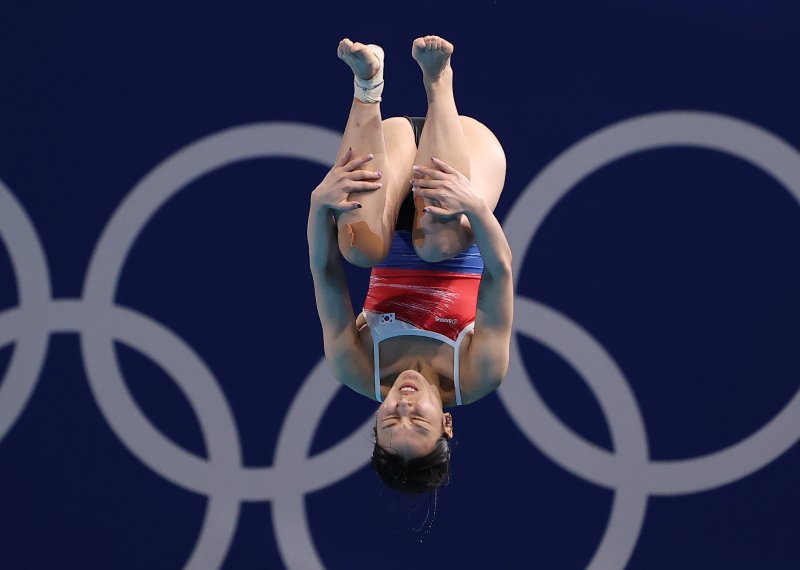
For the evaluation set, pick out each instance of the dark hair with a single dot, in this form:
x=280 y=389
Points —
x=426 y=473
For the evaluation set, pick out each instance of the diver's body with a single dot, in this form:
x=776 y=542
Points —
x=456 y=170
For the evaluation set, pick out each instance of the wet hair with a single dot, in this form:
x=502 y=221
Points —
x=418 y=475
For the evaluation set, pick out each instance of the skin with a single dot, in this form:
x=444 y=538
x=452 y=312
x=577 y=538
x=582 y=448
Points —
x=457 y=175
x=411 y=422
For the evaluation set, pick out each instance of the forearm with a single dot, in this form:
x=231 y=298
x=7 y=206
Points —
x=330 y=283
x=321 y=233
x=333 y=302
x=491 y=240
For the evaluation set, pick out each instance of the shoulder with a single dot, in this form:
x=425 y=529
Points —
x=350 y=360
x=482 y=368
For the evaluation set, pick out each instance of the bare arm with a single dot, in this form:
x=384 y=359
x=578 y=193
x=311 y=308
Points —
x=487 y=360
x=488 y=351
x=343 y=351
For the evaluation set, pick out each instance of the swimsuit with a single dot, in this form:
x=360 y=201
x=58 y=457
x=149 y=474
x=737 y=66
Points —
x=411 y=297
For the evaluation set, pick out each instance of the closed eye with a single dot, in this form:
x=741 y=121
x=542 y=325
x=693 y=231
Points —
x=419 y=422
x=388 y=422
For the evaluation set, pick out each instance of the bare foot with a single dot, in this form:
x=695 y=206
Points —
x=362 y=58
x=433 y=56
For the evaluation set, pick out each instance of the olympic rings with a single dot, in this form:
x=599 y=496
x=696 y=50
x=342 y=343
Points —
x=629 y=469
x=99 y=322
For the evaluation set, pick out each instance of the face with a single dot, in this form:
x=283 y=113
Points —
x=410 y=420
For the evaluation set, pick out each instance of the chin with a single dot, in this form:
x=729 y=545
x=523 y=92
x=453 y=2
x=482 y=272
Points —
x=411 y=375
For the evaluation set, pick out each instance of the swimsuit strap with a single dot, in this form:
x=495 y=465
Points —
x=383 y=326
x=456 y=360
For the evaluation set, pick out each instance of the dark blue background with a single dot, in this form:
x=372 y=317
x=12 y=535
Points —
x=683 y=263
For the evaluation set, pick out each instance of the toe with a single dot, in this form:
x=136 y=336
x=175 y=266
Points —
x=345 y=47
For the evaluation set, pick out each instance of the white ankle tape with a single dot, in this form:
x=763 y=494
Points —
x=370 y=90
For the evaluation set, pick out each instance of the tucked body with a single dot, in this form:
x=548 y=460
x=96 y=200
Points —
x=413 y=200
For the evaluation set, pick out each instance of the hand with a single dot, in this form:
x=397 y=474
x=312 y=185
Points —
x=445 y=185
x=343 y=179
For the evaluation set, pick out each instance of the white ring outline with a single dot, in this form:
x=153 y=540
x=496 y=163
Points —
x=709 y=466
x=33 y=292
x=679 y=128
x=292 y=475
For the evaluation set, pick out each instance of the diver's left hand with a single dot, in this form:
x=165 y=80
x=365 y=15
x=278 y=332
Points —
x=447 y=187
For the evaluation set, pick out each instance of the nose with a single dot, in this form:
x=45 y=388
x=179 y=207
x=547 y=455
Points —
x=404 y=408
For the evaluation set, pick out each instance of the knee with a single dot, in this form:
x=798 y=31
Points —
x=432 y=248
x=360 y=245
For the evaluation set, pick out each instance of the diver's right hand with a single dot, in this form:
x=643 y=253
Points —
x=344 y=178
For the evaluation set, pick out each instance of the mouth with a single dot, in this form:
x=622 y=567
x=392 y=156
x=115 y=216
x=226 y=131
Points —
x=408 y=388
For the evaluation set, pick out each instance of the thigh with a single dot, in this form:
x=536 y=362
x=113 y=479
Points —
x=365 y=235
x=487 y=161
x=436 y=240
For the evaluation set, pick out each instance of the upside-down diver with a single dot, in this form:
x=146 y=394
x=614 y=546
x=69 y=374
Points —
x=412 y=198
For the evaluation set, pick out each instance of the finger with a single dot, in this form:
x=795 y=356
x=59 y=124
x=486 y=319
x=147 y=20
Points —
x=342 y=160
x=423 y=192
x=434 y=211
x=356 y=163
x=443 y=166
x=346 y=206
x=426 y=183
x=364 y=175
x=363 y=186
x=429 y=172
x=432 y=196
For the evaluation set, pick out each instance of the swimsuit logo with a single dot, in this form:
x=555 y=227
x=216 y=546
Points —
x=387 y=318
x=450 y=321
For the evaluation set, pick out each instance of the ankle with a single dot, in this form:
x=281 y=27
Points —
x=444 y=80
x=370 y=90
x=439 y=90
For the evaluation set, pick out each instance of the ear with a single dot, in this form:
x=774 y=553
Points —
x=447 y=425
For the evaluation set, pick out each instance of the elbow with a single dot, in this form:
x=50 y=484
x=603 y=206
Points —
x=317 y=264
x=508 y=259
x=506 y=263
x=503 y=261
x=501 y=269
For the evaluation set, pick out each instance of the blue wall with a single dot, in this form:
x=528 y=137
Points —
x=163 y=403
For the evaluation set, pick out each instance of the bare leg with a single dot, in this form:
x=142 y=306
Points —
x=442 y=137
x=363 y=237
x=463 y=143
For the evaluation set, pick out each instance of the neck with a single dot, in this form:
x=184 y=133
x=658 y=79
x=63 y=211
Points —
x=431 y=375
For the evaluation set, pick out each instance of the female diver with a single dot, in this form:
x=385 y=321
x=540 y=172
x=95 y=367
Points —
x=414 y=204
